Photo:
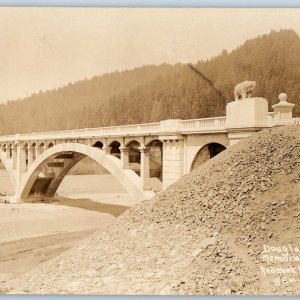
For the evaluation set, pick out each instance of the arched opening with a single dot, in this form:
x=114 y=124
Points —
x=115 y=149
x=50 y=145
x=98 y=144
x=10 y=147
x=205 y=153
x=156 y=157
x=26 y=154
x=134 y=156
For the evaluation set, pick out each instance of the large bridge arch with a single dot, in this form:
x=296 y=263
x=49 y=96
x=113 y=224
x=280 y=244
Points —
x=128 y=178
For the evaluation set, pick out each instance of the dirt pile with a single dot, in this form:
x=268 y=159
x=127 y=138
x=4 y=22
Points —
x=210 y=233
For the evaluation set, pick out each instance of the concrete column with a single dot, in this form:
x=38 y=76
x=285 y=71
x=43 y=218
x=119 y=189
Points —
x=7 y=149
x=125 y=157
x=106 y=149
x=88 y=142
x=21 y=166
x=173 y=160
x=23 y=157
x=39 y=150
x=14 y=157
x=145 y=168
x=30 y=156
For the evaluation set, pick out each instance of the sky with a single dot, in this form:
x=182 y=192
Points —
x=45 y=48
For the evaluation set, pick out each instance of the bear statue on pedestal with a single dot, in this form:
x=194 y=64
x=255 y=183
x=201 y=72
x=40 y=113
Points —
x=243 y=90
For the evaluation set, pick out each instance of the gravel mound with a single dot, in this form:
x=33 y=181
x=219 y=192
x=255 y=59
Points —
x=210 y=233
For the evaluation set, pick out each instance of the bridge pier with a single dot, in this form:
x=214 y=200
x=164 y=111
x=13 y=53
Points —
x=173 y=159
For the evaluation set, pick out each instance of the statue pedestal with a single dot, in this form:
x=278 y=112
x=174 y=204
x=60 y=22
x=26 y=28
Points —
x=246 y=116
x=283 y=111
x=247 y=113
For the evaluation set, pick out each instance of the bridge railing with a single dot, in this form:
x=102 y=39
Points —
x=271 y=119
x=296 y=121
x=217 y=124
x=202 y=125
x=183 y=126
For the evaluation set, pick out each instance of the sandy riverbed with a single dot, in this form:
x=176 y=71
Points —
x=100 y=188
x=31 y=233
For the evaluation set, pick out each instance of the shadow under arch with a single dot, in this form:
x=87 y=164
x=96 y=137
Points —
x=72 y=153
x=205 y=153
x=98 y=144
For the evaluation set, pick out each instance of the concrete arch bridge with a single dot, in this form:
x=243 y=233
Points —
x=144 y=158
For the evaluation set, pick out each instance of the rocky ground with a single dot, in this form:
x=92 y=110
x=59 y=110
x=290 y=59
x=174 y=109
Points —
x=204 y=235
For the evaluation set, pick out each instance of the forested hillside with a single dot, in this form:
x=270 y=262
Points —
x=153 y=93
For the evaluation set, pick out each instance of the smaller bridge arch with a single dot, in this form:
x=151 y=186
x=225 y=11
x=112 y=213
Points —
x=10 y=150
x=205 y=153
x=129 y=140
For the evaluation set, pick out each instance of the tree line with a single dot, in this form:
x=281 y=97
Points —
x=153 y=93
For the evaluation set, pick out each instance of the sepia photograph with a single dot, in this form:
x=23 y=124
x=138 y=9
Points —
x=149 y=151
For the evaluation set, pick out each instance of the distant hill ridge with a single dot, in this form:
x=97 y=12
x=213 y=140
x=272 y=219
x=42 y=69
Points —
x=153 y=93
